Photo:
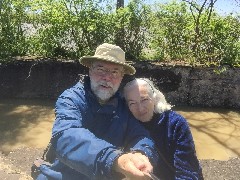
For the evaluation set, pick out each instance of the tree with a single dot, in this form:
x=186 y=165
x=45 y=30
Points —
x=120 y=33
x=120 y=3
x=207 y=5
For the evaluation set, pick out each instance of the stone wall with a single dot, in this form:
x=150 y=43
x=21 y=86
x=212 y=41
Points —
x=181 y=85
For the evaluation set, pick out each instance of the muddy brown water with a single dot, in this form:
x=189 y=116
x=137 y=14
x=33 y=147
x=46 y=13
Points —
x=28 y=123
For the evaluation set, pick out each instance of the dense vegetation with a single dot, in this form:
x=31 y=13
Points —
x=165 y=32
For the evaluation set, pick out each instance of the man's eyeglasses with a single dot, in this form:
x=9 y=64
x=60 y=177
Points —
x=101 y=71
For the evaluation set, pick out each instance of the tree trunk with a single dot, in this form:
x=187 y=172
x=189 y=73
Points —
x=119 y=38
x=120 y=3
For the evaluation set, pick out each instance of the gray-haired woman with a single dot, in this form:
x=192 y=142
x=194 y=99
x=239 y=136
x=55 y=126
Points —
x=169 y=130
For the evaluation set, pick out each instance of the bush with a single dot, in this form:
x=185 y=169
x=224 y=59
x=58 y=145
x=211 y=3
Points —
x=163 y=32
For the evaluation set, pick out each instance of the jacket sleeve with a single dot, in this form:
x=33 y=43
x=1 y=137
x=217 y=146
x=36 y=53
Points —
x=185 y=160
x=138 y=139
x=76 y=147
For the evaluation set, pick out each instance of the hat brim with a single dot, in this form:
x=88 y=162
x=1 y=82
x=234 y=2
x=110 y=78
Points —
x=87 y=61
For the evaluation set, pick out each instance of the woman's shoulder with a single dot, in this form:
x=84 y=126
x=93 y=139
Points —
x=176 y=123
x=173 y=117
x=171 y=113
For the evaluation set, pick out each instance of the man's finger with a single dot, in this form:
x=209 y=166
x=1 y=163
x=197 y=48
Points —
x=142 y=162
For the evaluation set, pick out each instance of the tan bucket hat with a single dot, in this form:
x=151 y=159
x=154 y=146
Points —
x=109 y=53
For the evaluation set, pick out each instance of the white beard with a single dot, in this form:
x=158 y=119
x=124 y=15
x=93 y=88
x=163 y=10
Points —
x=103 y=95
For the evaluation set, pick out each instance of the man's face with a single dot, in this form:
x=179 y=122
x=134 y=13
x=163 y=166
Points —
x=105 y=79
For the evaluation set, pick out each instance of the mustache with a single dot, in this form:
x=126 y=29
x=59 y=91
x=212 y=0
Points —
x=106 y=84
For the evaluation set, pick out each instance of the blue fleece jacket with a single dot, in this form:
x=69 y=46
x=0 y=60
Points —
x=176 y=148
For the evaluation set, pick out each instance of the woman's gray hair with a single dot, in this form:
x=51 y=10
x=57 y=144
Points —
x=160 y=103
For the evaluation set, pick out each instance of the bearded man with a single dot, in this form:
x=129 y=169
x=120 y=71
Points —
x=94 y=134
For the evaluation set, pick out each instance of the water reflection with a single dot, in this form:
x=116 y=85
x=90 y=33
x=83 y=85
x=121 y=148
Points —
x=28 y=123
x=25 y=123
x=216 y=131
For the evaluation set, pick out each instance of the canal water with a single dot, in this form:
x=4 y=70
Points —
x=28 y=123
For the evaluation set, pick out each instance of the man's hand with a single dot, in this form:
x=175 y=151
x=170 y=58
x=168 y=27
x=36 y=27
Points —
x=133 y=166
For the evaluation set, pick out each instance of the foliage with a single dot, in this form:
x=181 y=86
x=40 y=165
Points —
x=164 y=32
x=171 y=30
x=213 y=41
x=131 y=25
x=70 y=28
x=12 y=16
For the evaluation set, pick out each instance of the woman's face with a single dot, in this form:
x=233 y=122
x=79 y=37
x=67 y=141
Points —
x=139 y=102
